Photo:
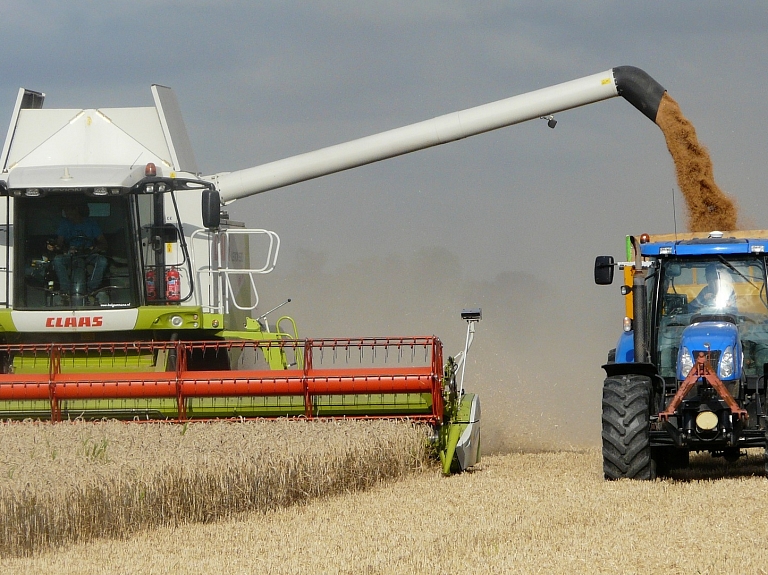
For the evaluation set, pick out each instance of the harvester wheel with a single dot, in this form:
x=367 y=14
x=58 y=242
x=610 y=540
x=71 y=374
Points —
x=626 y=428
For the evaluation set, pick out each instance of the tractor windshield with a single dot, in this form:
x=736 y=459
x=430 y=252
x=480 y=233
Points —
x=715 y=288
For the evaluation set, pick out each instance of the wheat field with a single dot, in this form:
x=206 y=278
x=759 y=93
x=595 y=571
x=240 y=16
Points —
x=516 y=513
x=75 y=481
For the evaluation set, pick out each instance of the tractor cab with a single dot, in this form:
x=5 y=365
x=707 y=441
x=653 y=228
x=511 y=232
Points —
x=723 y=292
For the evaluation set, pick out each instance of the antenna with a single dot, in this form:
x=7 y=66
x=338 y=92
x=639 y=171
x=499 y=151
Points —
x=674 y=212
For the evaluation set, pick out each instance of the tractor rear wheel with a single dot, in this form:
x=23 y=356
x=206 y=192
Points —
x=626 y=428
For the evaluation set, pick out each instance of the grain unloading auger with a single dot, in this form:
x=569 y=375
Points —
x=122 y=297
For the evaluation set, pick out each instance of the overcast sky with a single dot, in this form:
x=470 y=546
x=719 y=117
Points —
x=258 y=81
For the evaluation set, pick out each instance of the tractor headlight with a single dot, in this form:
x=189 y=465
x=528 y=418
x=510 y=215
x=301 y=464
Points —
x=177 y=321
x=686 y=362
x=726 y=363
x=707 y=420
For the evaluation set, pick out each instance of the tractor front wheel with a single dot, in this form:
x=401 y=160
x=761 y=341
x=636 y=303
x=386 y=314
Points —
x=667 y=459
x=626 y=428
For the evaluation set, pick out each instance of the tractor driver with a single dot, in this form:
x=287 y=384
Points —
x=718 y=294
x=81 y=243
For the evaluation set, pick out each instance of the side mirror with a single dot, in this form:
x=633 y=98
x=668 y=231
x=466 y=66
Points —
x=604 y=270
x=211 y=209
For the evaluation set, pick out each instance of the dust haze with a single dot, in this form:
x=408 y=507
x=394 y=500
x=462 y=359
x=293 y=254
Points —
x=534 y=358
x=538 y=350
x=539 y=385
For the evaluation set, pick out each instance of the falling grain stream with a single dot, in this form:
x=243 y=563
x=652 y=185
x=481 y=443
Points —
x=708 y=207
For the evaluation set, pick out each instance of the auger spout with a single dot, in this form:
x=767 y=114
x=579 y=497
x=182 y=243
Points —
x=632 y=83
x=639 y=89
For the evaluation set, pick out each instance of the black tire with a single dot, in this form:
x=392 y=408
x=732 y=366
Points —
x=731 y=454
x=626 y=428
x=5 y=362
x=668 y=458
x=766 y=453
x=682 y=459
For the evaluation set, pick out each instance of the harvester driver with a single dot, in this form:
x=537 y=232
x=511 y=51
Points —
x=81 y=243
x=718 y=295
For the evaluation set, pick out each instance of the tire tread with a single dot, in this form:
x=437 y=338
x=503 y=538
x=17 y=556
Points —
x=626 y=428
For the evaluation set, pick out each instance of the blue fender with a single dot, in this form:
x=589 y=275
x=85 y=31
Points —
x=625 y=348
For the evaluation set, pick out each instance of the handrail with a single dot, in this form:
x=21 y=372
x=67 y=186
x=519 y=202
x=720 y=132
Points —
x=222 y=275
x=8 y=268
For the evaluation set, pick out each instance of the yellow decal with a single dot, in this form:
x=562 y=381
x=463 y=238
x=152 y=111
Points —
x=605 y=81
x=169 y=248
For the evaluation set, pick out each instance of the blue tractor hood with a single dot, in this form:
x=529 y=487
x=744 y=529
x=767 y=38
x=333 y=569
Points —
x=719 y=338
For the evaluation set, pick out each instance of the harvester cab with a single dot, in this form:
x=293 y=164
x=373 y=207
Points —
x=688 y=371
x=105 y=231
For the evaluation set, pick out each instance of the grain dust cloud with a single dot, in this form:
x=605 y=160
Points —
x=708 y=207
x=538 y=386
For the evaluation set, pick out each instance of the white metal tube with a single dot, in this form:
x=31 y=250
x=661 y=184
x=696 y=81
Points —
x=467 y=344
x=434 y=132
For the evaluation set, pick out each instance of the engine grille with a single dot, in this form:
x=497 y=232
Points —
x=713 y=356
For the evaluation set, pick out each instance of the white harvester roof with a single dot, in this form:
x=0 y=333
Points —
x=69 y=148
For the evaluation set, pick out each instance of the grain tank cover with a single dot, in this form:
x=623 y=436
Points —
x=26 y=99
x=179 y=145
x=70 y=148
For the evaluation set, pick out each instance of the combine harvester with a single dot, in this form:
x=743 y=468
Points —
x=140 y=306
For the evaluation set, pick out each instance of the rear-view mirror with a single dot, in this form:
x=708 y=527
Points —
x=604 y=270
x=211 y=209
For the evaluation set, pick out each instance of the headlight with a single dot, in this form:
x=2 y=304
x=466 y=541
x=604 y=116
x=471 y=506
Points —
x=177 y=321
x=686 y=362
x=707 y=421
x=726 y=363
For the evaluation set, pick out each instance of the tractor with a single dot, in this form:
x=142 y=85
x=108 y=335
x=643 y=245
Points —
x=688 y=373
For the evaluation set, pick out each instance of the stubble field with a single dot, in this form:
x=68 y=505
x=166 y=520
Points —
x=522 y=513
